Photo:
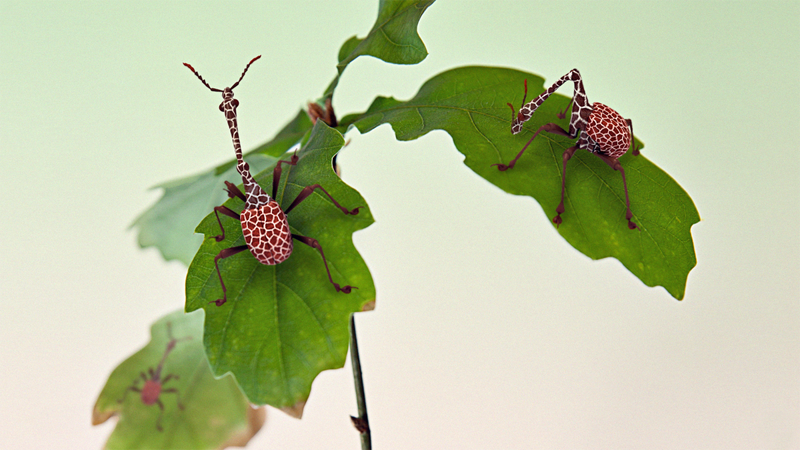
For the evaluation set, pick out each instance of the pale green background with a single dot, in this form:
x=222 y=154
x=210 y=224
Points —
x=490 y=332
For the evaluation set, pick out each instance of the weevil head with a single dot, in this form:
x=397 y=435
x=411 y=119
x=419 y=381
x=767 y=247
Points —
x=516 y=119
x=516 y=124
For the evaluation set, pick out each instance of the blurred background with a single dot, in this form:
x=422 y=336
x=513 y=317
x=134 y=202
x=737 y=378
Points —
x=490 y=330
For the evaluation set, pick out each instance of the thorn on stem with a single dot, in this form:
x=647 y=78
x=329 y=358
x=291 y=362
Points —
x=361 y=425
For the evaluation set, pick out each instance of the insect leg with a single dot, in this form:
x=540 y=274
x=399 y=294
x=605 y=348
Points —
x=549 y=127
x=228 y=212
x=560 y=208
x=160 y=415
x=563 y=114
x=169 y=377
x=614 y=164
x=313 y=243
x=308 y=190
x=177 y=396
x=225 y=254
x=130 y=388
x=233 y=191
x=636 y=150
x=276 y=174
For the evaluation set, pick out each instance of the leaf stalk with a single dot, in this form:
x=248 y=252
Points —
x=361 y=422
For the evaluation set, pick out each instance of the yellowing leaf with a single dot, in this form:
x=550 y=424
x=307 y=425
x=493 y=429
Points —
x=215 y=413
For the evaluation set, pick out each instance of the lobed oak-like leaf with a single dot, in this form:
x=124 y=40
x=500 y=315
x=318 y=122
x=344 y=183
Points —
x=393 y=38
x=469 y=103
x=284 y=324
x=215 y=413
x=168 y=225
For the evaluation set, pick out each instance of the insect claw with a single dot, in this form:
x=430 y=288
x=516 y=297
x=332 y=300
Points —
x=219 y=238
x=346 y=289
x=354 y=212
x=502 y=167
x=219 y=301
x=557 y=220
x=629 y=216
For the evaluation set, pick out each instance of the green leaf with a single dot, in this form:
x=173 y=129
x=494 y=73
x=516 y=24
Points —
x=215 y=413
x=393 y=38
x=284 y=324
x=169 y=224
x=469 y=103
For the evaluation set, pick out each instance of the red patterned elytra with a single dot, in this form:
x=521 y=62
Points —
x=609 y=130
x=264 y=224
x=150 y=392
x=599 y=130
x=266 y=232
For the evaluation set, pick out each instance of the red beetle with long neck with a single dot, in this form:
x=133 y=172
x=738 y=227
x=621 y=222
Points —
x=603 y=132
x=153 y=387
x=264 y=225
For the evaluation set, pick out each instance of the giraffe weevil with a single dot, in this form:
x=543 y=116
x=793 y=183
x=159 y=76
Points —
x=604 y=132
x=264 y=225
x=154 y=385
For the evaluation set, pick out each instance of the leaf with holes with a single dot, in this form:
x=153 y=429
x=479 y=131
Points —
x=284 y=324
x=215 y=413
x=393 y=38
x=168 y=225
x=469 y=103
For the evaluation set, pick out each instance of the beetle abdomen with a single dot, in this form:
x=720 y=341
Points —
x=267 y=234
x=150 y=392
x=608 y=129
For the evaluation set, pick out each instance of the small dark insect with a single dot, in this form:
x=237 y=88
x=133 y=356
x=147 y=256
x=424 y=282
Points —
x=153 y=385
x=604 y=132
x=264 y=224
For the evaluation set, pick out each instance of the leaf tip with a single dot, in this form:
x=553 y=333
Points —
x=256 y=417
x=295 y=410
x=100 y=416
x=369 y=306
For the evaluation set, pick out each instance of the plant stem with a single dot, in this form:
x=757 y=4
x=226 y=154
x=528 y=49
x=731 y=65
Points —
x=362 y=422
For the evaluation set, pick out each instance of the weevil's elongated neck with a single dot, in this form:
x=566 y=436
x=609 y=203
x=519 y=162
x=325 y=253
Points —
x=580 y=110
x=157 y=373
x=229 y=108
